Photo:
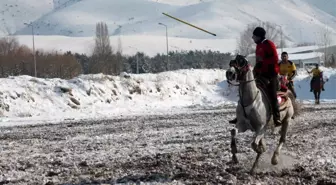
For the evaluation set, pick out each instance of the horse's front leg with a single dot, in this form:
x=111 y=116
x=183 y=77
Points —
x=283 y=132
x=234 y=149
x=258 y=145
x=260 y=149
x=316 y=96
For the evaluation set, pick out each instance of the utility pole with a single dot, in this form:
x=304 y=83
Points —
x=166 y=44
x=281 y=39
x=34 y=53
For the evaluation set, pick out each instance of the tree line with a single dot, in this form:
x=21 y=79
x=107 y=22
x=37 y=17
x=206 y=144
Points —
x=17 y=59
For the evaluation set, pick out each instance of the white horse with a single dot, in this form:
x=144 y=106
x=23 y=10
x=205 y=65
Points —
x=254 y=110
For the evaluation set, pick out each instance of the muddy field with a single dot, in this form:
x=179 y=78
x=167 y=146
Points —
x=188 y=148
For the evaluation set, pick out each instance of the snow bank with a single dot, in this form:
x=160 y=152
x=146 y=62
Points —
x=95 y=96
x=99 y=96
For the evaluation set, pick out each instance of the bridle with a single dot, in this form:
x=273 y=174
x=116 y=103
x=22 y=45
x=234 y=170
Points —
x=242 y=67
x=240 y=71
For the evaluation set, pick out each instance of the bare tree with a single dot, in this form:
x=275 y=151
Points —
x=245 y=44
x=103 y=58
x=8 y=45
x=102 y=42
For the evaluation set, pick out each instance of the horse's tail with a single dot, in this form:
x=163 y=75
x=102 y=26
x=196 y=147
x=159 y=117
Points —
x=296 y=104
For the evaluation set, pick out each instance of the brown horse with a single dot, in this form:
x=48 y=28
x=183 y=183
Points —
x=317 y=84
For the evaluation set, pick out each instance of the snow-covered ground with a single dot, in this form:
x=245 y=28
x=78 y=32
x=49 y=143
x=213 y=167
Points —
x=191 y=148
x=25 y=98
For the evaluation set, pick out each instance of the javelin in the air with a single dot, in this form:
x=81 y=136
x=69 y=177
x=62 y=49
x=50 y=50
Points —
x=189 y=24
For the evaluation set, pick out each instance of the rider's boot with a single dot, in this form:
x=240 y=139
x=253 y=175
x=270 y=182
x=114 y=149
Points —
x=274 y=101
x=276 y=117
x=233 y=121
x=294 y=94
x=322 y=84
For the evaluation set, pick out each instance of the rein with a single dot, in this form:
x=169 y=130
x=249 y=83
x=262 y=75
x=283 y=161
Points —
x=241 y=82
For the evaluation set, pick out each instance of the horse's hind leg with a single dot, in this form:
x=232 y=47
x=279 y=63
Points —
x=283 y=132
x=234 y=146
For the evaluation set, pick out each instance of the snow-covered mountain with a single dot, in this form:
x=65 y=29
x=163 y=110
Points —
x=301 y=20
x=14 y=13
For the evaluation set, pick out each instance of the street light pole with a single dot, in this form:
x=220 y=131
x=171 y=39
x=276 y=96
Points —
x=137 y=63
x=34 y=54
x=166 y=44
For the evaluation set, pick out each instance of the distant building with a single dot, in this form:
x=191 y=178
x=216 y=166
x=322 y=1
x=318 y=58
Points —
x=302 y=60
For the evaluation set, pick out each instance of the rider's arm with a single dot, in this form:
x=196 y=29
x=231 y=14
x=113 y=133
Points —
x=294 y=72
x=273 y=65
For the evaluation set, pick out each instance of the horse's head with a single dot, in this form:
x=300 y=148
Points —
x=238 y=69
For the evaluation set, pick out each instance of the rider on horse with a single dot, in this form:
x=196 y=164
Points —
x=267 y=68
x=288 y=68
x=317 y=75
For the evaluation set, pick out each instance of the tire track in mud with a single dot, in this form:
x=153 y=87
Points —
x=191 y=148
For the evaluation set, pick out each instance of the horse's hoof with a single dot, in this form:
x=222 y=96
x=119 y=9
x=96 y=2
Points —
x=234 y=121
x=233 y=162
x=275 y=159
x=233 y=132
x=254 y=146
x=252 y=172
x=235 y=159
x=262 y=149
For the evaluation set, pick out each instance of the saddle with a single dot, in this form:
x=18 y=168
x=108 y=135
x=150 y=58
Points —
x=282 y=95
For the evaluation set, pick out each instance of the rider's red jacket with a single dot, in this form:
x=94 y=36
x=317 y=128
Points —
x=266 y=59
